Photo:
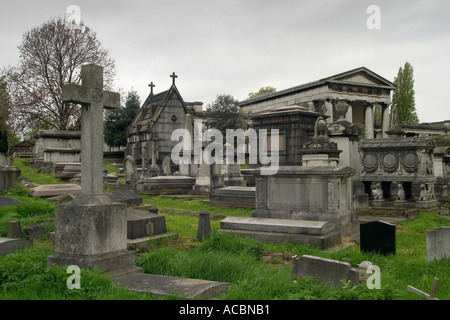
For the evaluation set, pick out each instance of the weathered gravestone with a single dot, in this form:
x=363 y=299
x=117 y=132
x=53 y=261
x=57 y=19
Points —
x=130 y=170
x=378 y=237
x=332 y=272
x=14 y=230
x=204 y=225
x=8 y=201
x=146 y=226
x=438 y=243
x=53 y=190
x=14 y=241
x=91 y=231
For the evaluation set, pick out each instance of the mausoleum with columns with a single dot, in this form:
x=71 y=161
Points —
x=362 y=89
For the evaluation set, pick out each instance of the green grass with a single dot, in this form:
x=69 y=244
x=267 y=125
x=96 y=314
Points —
x=32 y=174
x=238 y=261
x=25 y=276
x=32 y=211
x=185 y=225
x=220 y=257
x=196 y=205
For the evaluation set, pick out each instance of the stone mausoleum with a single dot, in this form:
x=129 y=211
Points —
x=149 y=135
x=361 y=88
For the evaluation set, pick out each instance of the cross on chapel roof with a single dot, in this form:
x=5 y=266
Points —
x=173 y=76
x=151 y=85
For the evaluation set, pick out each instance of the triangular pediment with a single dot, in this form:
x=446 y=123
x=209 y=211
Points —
x=172 y=94
x=153 y=107
x=361 y=76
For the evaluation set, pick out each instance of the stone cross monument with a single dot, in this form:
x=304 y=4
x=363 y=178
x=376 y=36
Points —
x=91 y=230
x=93 y=99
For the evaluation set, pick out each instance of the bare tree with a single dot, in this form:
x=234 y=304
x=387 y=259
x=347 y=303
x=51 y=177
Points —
x=50 y=56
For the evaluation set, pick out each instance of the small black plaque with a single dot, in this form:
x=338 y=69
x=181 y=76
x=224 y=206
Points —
x=378 y=237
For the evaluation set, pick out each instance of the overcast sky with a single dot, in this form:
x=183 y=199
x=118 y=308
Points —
x=238 y=46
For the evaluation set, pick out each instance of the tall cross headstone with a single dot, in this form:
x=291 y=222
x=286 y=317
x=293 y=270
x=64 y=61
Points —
x=91 y=230
x=93 y=98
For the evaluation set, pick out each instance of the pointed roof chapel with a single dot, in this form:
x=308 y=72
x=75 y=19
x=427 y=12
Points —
x=154 y=106
x=152 y=128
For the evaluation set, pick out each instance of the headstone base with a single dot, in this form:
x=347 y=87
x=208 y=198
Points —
x=91 y=232
x=116 y=263
x=428 y=205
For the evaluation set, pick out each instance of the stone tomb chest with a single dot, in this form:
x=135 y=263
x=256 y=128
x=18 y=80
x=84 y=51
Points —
x=399 y=169
x=307 y=193
x=304 y=204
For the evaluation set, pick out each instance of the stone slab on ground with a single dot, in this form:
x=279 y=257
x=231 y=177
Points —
x=321 y=241
x=8 y=201
x=329 y=271
x=52 y=190
x=278 y=225
x=8 y=245
x=164 y=285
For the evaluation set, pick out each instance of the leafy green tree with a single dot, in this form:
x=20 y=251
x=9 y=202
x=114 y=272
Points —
x=403 y=100
x=262 y=91
x=117 y=120
x=224 y=113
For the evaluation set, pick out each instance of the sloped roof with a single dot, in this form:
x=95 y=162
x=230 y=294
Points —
x=356 y=76
x=152 y=108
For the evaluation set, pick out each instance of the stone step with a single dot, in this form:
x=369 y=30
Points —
x=237 y=191
x=141 y=243
x=325 y=241
x=306 y=227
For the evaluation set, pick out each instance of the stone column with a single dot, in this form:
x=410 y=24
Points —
x=385 y=120
x=329 y=110
x=368 y=121
x=349 y=114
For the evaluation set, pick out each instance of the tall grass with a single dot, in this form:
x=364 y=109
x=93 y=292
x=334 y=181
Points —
x=32 y=211
x=224 y=257
x=25 y=276
x=32 y=174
